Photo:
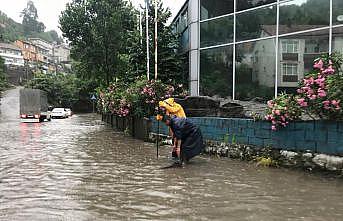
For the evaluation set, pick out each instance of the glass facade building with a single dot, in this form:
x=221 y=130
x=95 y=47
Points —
x=248 y=49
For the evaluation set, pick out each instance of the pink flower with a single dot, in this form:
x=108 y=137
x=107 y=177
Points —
x=302 y=102
x=320 y=81
x=310 y=92
x=321 y=93
x=283 y=118
x=312 y=97
x=329 y=70
x=335 y=103
x=274 y=127
x=319 y=64
x=326 y=104
x=277 y=112
x=270 y=103
x=305 y=88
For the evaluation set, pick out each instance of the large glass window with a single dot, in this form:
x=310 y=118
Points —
x=337 y=39
x=184 y=40
x=215 y=32
x=216 y=71
x=255 y=70
x=296 y=55
x=214 y=8
x=256 y=23
x=182 y=22
x=245 y=4
x=337 y=12
x=299 y=15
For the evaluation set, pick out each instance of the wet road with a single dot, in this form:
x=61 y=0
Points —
x=79 y=169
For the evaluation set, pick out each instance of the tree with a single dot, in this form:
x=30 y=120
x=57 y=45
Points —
x=2 y=74
x=63 y=90
x=170 y=69
x=99 y=31
x=30 y=16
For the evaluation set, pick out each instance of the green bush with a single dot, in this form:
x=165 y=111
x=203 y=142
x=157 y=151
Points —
x=3 y=82
x=320 y=94
x=321 y=90
x=139 y=98
x=62 y=89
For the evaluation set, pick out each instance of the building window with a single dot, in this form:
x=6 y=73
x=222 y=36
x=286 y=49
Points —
x=289 y=72
x=214 y=8
x=290 y=46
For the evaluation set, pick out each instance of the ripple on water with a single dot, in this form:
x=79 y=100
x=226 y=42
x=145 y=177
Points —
x=79 y=169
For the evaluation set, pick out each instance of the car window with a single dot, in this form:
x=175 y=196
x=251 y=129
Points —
x=58 y=109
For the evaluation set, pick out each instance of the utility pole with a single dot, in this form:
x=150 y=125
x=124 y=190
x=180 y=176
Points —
x=140 y=25
x=147 y=37
x=155 y=39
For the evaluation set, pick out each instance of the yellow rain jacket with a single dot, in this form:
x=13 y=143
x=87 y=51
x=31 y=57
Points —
x=172 y=108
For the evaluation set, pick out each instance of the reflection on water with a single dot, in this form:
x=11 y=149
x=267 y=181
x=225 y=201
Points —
x=79 y=169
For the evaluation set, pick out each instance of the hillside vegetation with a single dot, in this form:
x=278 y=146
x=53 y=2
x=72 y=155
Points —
x=11 y=31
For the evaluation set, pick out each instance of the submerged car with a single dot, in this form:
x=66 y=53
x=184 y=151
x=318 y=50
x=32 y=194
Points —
x=59 y=113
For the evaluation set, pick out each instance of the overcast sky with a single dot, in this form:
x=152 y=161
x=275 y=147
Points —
x=49 y=10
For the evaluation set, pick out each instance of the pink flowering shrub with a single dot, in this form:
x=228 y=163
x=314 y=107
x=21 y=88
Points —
x=320 y=95
x=320 y=92
x=282 y=110
x=136 y=99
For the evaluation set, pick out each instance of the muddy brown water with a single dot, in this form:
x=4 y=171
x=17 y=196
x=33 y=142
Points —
x=80 y=169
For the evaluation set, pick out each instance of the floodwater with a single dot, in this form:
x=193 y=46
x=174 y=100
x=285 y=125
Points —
x=80 y=169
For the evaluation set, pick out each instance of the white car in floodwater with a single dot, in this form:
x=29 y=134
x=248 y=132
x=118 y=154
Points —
x=59 y=113
x=69 y=112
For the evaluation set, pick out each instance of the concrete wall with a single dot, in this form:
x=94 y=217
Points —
x=317 y=136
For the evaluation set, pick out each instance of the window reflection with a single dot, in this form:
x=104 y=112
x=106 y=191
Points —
x=246 y=4
x=337 y=39
x=296 y=55
x=214 y=8
x=255 y=70
x=249 y=25
x=337 y=12
x=216 y=72
x=184 y=40
x=216 y=32
x=299 y=15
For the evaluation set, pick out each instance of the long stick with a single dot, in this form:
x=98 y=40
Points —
x=158 y=138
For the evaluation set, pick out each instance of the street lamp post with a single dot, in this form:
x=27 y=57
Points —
x=147 y=37
x=155 y=39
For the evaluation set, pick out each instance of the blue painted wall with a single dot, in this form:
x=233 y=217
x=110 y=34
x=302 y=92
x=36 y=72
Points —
x=317 y=136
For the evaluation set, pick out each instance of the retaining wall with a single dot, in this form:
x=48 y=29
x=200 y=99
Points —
x=316 y=136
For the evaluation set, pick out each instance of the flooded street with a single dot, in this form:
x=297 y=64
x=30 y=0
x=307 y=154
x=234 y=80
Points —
x=80 y=169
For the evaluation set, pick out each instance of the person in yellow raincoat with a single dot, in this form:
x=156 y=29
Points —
x=172 y=109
